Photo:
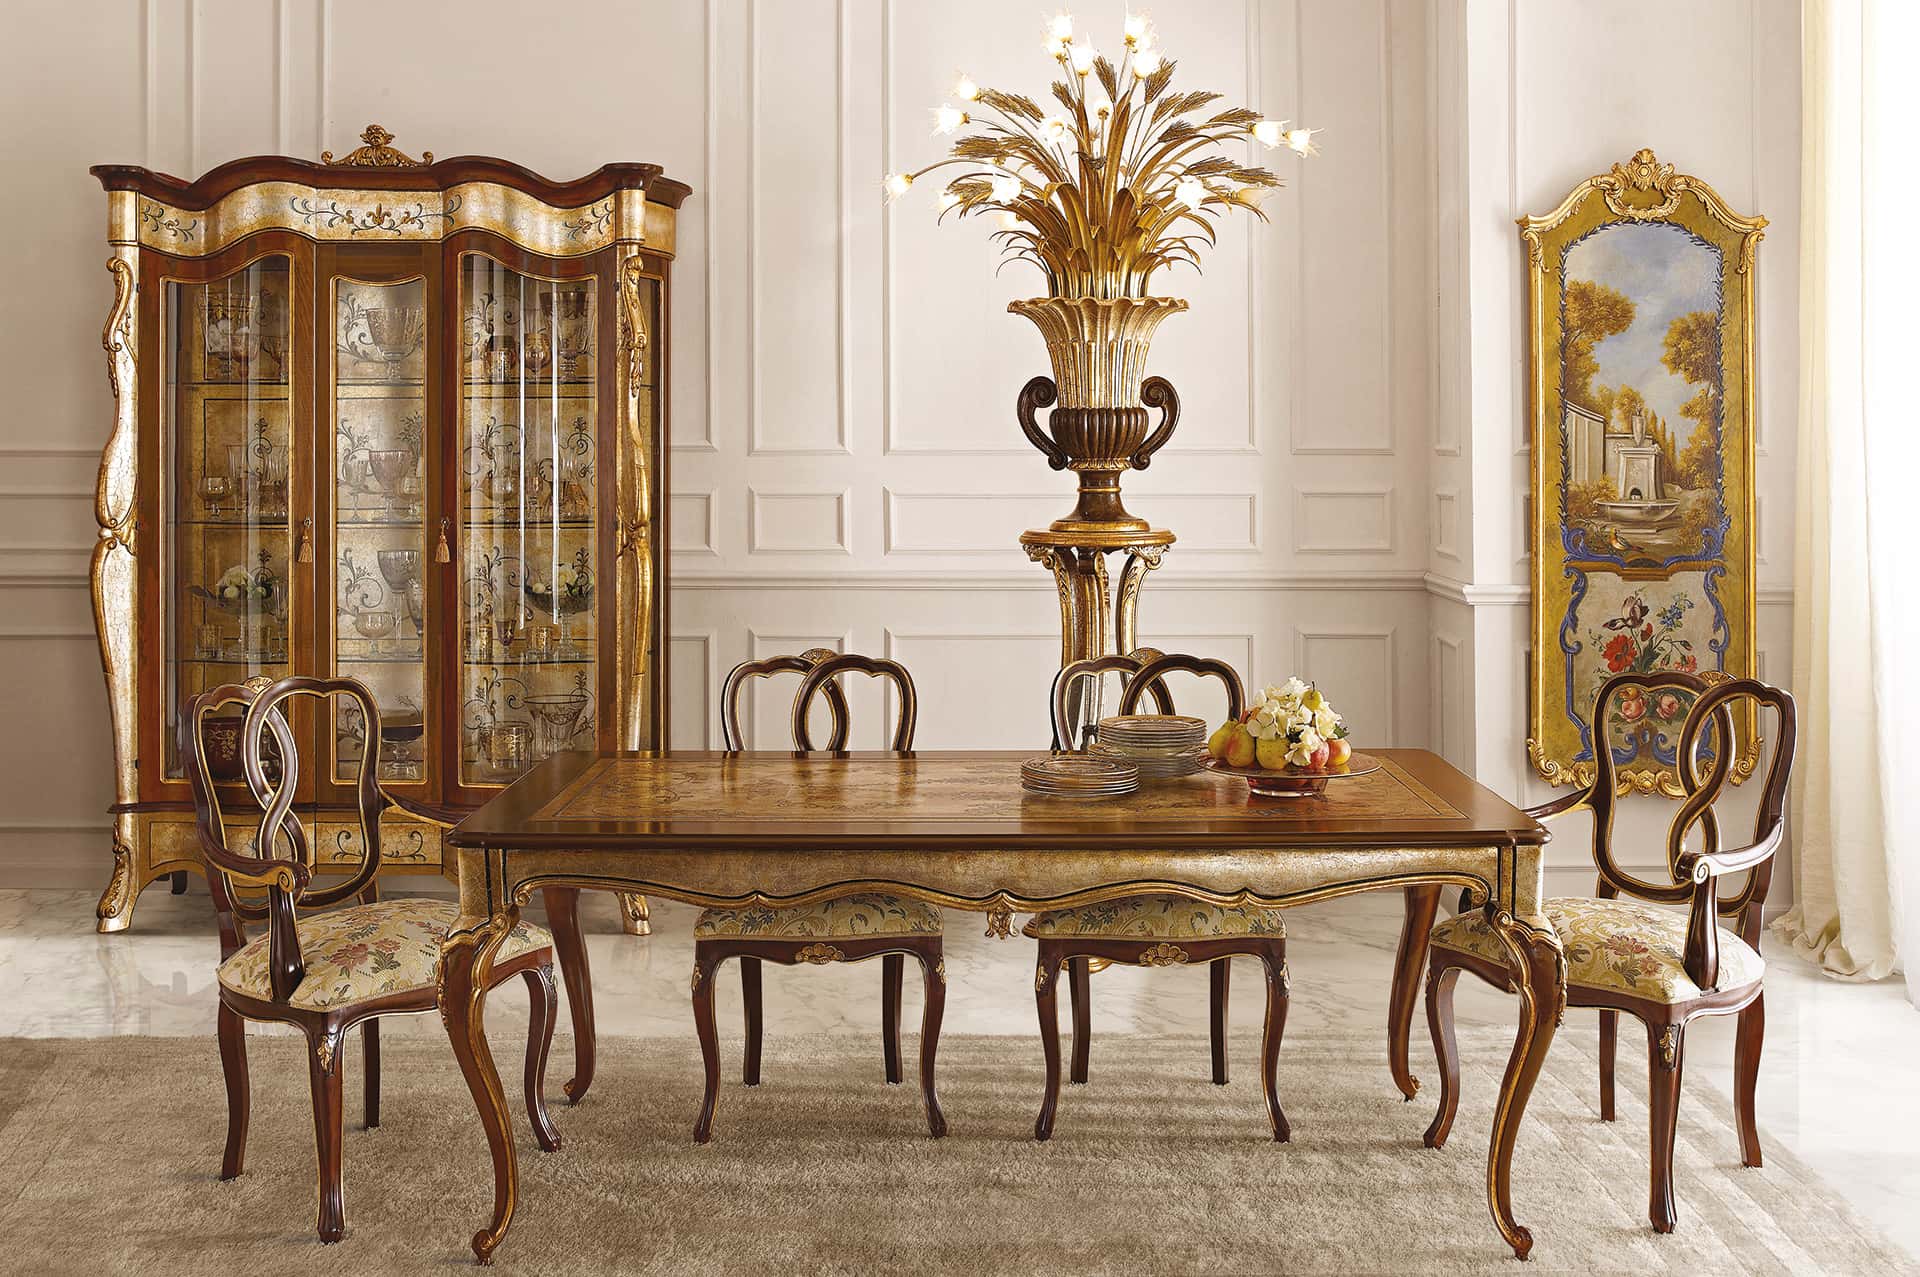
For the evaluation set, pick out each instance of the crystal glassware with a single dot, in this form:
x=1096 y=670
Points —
x=401 y=571
x=556 y=717
x=391 y=468
x=396 y=333
x=213 y=492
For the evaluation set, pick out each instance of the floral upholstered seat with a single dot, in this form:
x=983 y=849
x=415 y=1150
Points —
x=1621 y=946
x=365 y=951
x=866 y=914
x=1156 y=917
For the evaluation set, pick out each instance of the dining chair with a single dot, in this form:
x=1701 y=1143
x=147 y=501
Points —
x=321 y=968
x=1153 y=929
x=848 y=927
x=1661 y=966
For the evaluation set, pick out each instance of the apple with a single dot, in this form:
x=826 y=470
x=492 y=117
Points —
x=1317 y=761
x=1272 y=753
x=1338 y=752
x=1240 y=748
x=1217 y=743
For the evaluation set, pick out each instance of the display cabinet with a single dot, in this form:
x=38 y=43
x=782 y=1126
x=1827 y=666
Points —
x=391 y=418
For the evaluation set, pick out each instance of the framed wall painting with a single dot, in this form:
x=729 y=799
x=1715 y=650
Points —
x=1640 y=395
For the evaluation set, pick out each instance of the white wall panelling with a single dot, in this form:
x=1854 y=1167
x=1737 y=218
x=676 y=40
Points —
x=846 y=466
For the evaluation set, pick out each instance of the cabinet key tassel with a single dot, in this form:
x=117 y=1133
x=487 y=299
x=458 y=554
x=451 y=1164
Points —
x=441 y=554
x=305 y=553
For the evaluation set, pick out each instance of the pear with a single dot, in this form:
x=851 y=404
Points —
x=1312 y=698
x=1272 y=753
x=1240 y=747
x=1217 y=743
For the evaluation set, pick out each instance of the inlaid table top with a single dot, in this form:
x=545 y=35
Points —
x=970 y=799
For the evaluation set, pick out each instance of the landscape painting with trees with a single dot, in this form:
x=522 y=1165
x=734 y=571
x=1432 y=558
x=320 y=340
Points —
x=1641 y=308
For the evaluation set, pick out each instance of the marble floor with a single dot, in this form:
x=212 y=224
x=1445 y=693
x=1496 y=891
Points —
x=1840 y=1084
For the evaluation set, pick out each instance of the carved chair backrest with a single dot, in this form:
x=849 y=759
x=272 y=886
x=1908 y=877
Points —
x=734 y=740
x=1094 y=667
x=822 y=677
x=1152 y=675
x=279 y=857
x=1639 y=702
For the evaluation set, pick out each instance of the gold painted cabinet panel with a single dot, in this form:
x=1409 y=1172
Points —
x=393 y=419
x=1640 y=389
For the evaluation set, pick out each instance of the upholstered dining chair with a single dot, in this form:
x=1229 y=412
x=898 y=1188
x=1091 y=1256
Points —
x=1153 y=930
x=1664 y=967
x=844 y=928
x=322 y=969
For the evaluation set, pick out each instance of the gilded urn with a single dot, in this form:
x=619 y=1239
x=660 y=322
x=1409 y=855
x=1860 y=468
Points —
x=1100 y=394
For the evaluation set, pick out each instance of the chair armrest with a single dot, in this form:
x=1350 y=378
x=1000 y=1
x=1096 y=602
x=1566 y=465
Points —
x=442 y=817
x=1559 y=806
x=1699 y=866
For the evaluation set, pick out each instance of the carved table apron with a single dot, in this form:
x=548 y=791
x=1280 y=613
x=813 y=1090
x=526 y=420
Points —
x=956 y=829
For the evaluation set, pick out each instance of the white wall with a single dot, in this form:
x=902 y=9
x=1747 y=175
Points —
x=846 y=467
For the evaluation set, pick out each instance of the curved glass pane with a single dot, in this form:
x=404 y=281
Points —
x=226 y=450
x=381 y=353
x=529 y=589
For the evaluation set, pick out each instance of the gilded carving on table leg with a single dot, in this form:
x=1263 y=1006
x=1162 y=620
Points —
x=1536 y=956
x=1000 y=921
x=466 y=961
x=634 y=919
x=115 y=909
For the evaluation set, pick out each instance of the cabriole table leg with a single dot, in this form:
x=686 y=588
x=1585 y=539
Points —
x=1535 y=953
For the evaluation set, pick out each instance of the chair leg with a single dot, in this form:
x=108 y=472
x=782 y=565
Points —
x=1609 y=1030
x=1664 y=1047
x=370 y=1085
x=570 y=947
x=893 y=971
x=1046 y=989
x=1752 y=1027
x=933 y=969
x=543 y=1007
x=704 y=972
x=1446 y=1051
x=755 y=1025
x=1219 y=972
x=324 y=1077
x=233 y=1064
x=1080 y=988
x=1279 y=989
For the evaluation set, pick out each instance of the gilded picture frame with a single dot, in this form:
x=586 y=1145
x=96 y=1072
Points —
x=1640 y=399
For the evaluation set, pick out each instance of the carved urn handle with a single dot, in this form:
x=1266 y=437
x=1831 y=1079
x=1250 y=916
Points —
x=1036 y=394
x=1157 y=392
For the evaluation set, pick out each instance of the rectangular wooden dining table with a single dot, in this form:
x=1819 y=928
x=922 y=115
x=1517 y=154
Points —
x=956 y=828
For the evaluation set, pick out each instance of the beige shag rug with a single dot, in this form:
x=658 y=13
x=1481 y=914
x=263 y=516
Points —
x=109 y=1151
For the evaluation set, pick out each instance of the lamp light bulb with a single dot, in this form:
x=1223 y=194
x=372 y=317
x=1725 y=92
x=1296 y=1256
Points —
x=1146 y=61
x=1060 y=27
x=1300 y=141
x=948 y=118
x=966 y=90
x=1269 y=133
x=1006 y=188
x=898 y=184
x=1139 y=29
x=1053 y=128
x=1083 y=56
x=1189 y=191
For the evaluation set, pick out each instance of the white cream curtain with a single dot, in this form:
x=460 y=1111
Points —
x=1856 y=640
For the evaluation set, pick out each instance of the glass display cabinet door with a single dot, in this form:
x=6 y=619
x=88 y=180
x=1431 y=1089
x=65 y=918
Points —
x=528 y=599
x=226 y=449
x=381 y=356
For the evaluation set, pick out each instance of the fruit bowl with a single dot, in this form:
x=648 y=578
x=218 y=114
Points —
x=1294 y=782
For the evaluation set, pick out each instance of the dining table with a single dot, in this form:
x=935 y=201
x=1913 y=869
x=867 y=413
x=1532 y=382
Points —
x=957 y=829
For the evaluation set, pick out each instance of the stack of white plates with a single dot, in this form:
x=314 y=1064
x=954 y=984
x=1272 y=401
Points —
x=1078 y=776
x=1161 y=746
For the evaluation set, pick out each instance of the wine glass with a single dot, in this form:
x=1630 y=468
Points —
x=213 y=491
x=396 y=332
x=556 y=718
